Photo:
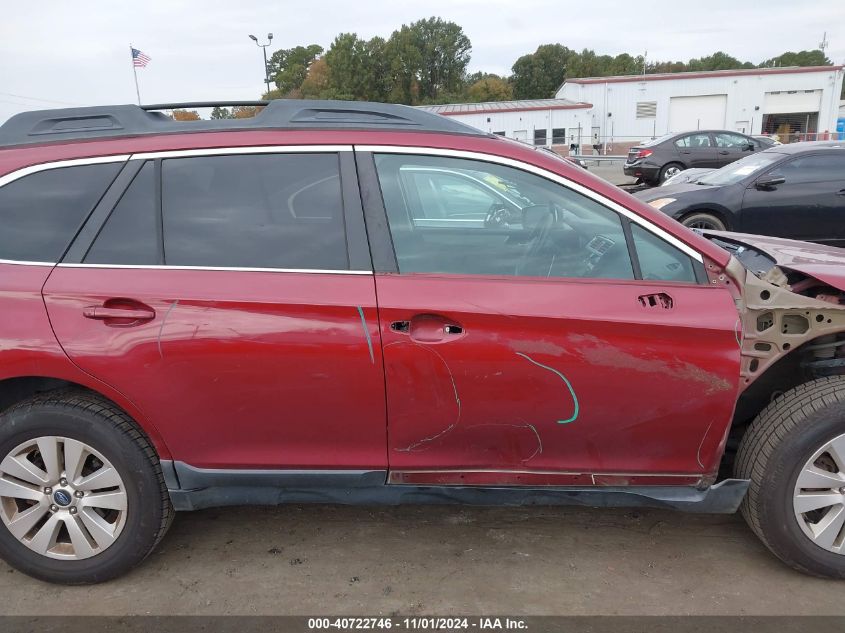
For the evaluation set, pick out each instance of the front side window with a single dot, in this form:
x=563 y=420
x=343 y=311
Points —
x=693 y=141
x=40 y=213
x=660 y=261
x=731 y=141
x=254 y=211
x=817 y=168
x=496 y=220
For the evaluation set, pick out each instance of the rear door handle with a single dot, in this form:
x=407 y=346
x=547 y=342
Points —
x=723 y=151
x=120 y=312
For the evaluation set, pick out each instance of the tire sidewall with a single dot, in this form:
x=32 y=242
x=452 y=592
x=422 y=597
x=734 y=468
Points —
x=691 y=217
x=777 y=518
x=662 y=177
x=140 y=483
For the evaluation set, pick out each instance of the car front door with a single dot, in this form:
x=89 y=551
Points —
x=731 y=147
x=805 y=202
x=236 y=308
x=696 y=150
x=536 y=350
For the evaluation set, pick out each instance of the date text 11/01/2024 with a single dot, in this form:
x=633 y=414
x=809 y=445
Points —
x=430 y=623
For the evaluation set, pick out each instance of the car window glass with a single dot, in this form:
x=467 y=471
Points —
x=254 y=211
x=659 y=260
x=693 y=141
x=522 y=224
x=41 y=213
x=816 y=168
x=724 y=139
x=130 y=236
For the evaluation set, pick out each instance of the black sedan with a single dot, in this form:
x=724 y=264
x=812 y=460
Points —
x=795 y=191
x=655 y=161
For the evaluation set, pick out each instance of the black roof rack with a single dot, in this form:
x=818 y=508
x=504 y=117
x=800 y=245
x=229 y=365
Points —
x=67 y=124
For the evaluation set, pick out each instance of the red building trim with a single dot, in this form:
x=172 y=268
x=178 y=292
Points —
x=705 y=74
x=574 y=106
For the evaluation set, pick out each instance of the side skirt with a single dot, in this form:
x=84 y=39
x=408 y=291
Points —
x=195 y=488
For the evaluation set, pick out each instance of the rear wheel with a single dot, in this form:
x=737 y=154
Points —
x=669 y=170
x=794 y=455
x=82 y=495
x=703 y=220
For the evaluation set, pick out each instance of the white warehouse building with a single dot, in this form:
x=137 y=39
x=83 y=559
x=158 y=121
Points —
x=543 y=122
x=797 y=103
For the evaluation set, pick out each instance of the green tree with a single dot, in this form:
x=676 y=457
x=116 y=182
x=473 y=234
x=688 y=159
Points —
x=428 y=61
x=717 y=61
x=539 y=74
x=288 y=67
x=357 y=69
x=801 y=58
x=221 y=113
x=489 y=88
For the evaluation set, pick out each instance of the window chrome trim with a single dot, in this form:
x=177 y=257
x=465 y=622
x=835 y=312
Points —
x=15 y=262
x=247 y=149
x=539 y=171
x=58 y=164
x=313 y=271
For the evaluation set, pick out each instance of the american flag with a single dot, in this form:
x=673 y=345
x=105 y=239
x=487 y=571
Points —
x=139 y=59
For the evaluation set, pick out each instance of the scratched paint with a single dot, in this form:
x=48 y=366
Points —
x=577 y=409
x=161 y=327
x=367 y=335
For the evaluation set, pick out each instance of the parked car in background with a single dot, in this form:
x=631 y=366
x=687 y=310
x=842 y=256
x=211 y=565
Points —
x=687 y=175
x=657 y=160
x=769 y=140
x=795 y=191
x=359 y=303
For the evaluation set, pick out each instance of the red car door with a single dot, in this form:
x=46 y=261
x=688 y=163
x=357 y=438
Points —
x=568 y=346
x=248 y=334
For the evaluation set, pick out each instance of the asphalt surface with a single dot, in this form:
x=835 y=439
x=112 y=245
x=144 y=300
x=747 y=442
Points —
x=444 y=560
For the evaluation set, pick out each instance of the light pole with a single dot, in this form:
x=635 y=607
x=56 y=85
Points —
x=263 y=48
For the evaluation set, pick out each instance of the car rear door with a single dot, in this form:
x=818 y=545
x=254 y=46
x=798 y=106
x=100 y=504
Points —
x=696 y=150
x=808 y=205
x=229 y=295
x=536 y=351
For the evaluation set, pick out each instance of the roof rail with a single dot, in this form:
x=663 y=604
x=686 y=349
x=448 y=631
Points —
x=70 y=124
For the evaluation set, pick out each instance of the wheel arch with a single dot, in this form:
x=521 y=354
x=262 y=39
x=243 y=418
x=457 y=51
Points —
x=19 y=388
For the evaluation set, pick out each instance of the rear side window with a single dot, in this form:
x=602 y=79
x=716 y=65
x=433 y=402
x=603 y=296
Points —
x=254 y=211
x=693 y=141
x=40 y=213
x=129 y=235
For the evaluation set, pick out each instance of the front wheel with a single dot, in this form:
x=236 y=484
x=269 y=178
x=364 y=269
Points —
x=794 y=455
x=82 y=495
x=702 y=220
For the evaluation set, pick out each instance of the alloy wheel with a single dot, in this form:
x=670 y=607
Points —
x=819 y=497
x=61 y=498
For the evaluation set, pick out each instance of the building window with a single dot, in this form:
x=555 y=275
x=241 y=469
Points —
x=646 y=109
x=540 y=137
x=559 y=136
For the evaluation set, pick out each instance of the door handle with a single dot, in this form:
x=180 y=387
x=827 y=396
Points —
x=841 y=192
x=429 y=328
x=723 y=151
x=121 y=312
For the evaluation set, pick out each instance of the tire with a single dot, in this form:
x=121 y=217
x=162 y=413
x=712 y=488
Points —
x=668 y=170
x=774 y=452
x=703 y=220
x=135 y=519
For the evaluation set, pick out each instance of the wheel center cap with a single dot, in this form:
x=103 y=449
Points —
x=62 y=498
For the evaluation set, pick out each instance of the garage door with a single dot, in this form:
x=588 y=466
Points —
x=792 y=101
x=697 y=113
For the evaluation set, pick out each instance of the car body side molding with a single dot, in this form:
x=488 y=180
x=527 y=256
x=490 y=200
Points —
x=193 y=488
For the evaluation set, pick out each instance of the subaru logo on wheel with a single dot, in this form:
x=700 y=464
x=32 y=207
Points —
x=62 y=498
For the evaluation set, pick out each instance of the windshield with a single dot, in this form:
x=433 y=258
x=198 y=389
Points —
x=744 y=167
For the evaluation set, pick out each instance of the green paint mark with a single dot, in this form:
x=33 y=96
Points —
x=367 y=335
x=565 y=381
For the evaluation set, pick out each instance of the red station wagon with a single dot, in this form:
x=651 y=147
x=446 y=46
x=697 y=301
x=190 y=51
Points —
x=361 y=303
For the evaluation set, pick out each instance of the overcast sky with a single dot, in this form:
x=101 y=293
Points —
x=57 y=52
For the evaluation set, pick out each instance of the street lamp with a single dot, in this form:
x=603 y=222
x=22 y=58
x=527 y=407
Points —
x=263 y=48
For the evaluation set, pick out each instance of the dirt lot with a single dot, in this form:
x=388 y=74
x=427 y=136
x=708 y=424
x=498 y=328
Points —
x=444 y=560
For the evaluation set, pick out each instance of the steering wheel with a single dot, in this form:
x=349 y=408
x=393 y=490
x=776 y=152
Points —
x=538 y=237
x=497 y=216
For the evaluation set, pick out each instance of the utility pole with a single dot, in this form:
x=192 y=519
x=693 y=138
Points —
x=645 y=56
x=824 y=44
x=263 y=48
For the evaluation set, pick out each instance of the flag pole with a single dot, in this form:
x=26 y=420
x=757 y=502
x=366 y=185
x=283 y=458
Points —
x=135 y=73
